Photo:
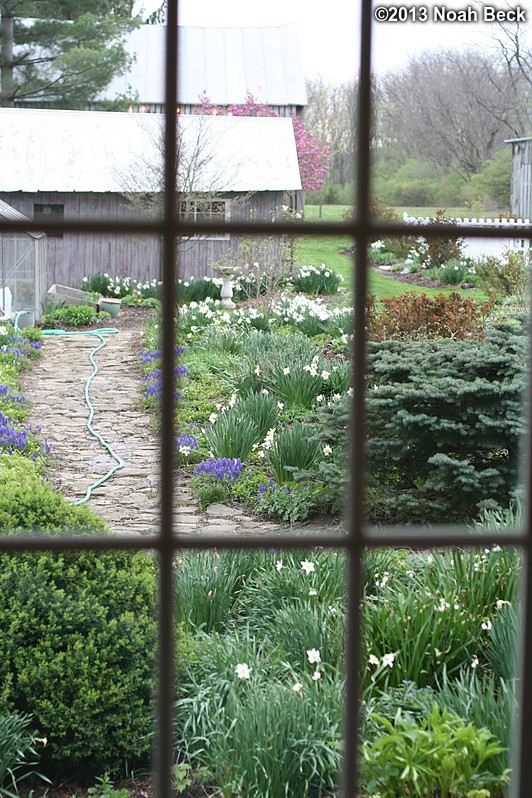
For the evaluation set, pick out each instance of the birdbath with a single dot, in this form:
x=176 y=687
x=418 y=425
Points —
x=226 y=273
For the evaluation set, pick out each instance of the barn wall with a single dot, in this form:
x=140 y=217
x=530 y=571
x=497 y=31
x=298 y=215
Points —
x=77 y=255
x=521 y=186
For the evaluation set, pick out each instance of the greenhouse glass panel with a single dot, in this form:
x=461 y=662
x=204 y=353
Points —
x=22 y=271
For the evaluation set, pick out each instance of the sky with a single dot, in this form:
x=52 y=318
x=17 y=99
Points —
x=326 y=39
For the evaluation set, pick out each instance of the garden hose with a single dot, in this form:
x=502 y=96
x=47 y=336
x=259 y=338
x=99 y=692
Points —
x=99 y=333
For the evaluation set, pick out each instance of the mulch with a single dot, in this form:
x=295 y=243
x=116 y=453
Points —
x=137 y=787
x=131 y=318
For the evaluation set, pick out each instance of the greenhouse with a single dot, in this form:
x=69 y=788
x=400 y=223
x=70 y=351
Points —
x=22 y=270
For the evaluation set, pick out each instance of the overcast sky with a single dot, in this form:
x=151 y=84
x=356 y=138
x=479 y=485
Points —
x=326 y=29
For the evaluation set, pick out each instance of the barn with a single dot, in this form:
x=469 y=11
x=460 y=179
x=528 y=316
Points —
x=72 y=165
x=224 y=63
x=521 y=188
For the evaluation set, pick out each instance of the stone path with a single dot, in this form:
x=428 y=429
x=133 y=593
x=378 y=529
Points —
x=128 y=500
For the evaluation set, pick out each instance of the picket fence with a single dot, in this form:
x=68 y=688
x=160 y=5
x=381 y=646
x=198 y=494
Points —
x=481 y=247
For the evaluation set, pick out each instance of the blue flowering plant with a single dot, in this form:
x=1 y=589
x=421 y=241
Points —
x=151 y=363
x=17 y=349
x=214 y=478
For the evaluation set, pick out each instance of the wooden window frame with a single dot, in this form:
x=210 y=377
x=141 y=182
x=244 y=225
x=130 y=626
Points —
x=358 y=538
x=190 y=212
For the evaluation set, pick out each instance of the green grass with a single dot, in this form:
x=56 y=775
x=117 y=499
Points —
x=315 y=250
x=457 y=213
x=330 y=213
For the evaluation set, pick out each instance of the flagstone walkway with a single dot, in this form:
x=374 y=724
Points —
x=128 y=500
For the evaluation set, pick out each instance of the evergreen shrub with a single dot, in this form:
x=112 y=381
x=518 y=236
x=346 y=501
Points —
x=78 y=636
x=445 y=419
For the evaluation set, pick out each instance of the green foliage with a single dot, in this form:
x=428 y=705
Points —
x=104 y=788
x=418 y=316
x=70 y=315
x=208 y=586
x=502 y=649
x=330 y=194
x=293 y=447
x=331 y=425
x=261 y=408
x=97 y=284
x=81 y=50
x=429 y=615
x=453 y=272
x=317 y=280
x=491 y=186
x=486 y=702
x=436 y=756
x=509 y=277
x=77 y=651
x=19 y=752
x=246 y=487
x=233 y=434
x=445 y=420
x=264 y=737
x=210 y=490
x=29 y=504
x=290 y=503
x=197 y=290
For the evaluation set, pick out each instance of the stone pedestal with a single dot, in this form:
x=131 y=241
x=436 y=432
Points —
x=227 y=292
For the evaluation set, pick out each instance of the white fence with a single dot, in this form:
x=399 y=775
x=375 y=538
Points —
x=481 y=247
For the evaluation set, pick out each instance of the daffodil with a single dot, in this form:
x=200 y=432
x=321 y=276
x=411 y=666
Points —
x=242 y=670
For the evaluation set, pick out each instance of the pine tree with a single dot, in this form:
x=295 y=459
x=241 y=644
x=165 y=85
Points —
x=61 y=53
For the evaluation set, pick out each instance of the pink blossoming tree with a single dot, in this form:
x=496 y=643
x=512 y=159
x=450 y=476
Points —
x=312 y=152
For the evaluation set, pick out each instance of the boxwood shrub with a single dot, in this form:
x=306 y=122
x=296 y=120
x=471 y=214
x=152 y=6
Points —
x=78 y=635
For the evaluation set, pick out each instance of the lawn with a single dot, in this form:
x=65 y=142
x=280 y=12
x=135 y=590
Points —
x=315 y=250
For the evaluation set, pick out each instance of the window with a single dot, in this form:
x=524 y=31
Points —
x=55 y=213
x=201 y=217
x=206 y=210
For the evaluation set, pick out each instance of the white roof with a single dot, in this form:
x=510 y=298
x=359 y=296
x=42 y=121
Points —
x=100 y=151
x=7 y=212
x=226 y=63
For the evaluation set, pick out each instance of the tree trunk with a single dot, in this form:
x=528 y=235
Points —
x=7 y=38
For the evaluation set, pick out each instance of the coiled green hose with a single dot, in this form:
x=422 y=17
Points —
x=99 y=333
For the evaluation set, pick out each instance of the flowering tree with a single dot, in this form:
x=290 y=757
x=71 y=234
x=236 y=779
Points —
x=312 y=152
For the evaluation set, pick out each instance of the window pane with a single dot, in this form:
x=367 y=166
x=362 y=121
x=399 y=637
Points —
x=77 y=664
x=448 y=353
x=440 y=652
x=264 y=414
x=260 y=676
x=78 y=437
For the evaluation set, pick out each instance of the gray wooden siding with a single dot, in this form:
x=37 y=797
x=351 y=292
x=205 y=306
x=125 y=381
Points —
x=77 y=255
x=521 y=187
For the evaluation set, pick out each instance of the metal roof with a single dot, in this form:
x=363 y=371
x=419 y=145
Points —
x=94 y=151
x=226 y=63
x=7 y=212
x=516 y=141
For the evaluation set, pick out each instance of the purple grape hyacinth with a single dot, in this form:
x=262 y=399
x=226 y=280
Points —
x=11 y=438
x=222 y=468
